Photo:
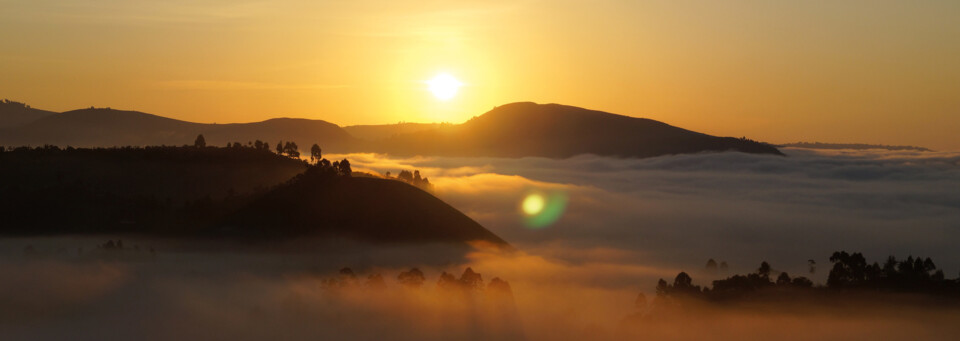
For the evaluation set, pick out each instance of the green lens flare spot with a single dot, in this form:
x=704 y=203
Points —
x=540 y=210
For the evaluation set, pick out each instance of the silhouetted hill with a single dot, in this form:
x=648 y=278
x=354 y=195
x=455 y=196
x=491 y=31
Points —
x=355 y=207
x=552 y=130
x=377 y=132
x=15 y=114
x=512 y=130
x=109 y=128
x=233 y=193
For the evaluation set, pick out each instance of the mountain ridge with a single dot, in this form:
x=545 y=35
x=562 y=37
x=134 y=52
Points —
x=511 y=130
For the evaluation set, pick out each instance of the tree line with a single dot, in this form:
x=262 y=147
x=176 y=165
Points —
x=850 y=272
x=414 y=279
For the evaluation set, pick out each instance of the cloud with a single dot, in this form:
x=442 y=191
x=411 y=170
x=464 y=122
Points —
x=628 y=223
x=743 y=208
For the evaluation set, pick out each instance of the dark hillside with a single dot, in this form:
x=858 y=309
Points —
x=15 y=114
x=235 y=193
x=559 y=131
x=356 y=207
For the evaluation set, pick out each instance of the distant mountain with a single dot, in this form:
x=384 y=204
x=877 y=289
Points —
x=16 y=114
x=109 y=127
x=381 y=131
x=856 y=146
x=512 y=130
x=223 y=193
x=559 y=131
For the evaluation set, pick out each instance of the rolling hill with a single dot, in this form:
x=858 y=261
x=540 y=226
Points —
x=511 y=130
x=376 y=132
x=109 y=128
x=16 y=114
x=560 y=131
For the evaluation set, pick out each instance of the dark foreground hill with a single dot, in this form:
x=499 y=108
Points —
x=559 y=131
x=224 y=193
x=321 y=203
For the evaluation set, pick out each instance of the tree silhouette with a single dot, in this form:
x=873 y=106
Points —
x=640 y=302
x=764 y=270
x=682 y=285
x=200 y=142
x=344 y=168
x=662 y=288
x=850 y=272
x=783 y=279
x=711 y=266
x=291 y=149
x=471 y=280
x=375 y=282
x=448 y=282
x=315 y=153
x=411 y=279
x=405 y=175
x=848 y=269
x=280 y=147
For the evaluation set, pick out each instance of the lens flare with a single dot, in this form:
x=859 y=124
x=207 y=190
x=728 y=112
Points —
x=533 y=204
x=540 y=210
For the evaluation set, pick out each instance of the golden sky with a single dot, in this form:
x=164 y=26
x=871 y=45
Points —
x=780 y=71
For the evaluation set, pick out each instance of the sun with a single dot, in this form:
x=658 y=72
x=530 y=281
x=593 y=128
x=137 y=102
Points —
x=444 y=86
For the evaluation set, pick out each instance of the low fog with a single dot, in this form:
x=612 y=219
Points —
x=679 y=211
x=627 y=223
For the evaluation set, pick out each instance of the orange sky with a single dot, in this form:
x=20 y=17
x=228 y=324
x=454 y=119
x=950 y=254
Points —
x=780 y=71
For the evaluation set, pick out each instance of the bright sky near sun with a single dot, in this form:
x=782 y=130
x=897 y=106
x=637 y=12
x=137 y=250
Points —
x=872 y=71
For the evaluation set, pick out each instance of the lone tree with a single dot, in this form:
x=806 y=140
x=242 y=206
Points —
x=280 y=147
x=315 y=153
x=412 y=279
x=344 y=168
x=200 y=142
x=764 y=270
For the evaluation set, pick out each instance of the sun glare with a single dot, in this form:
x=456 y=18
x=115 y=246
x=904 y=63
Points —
x=444 y=86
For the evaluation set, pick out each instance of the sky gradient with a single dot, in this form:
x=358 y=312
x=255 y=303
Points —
x=831 y=71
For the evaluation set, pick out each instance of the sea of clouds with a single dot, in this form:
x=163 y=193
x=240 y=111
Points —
x=627 y=223
x=678 y=211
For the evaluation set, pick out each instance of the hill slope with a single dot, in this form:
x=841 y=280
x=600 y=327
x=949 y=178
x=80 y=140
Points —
x=375 y=132
x=552 y=130
x=109 y=128
x=16 y=114
x=355 y=207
